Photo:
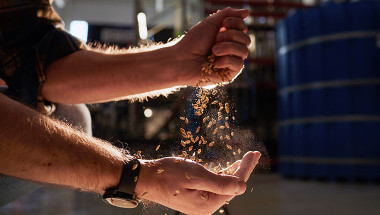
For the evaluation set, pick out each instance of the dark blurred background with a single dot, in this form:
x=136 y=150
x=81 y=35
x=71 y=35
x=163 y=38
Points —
x=308 y=98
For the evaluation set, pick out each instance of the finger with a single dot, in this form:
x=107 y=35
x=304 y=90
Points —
x=247 y=165
x=235 y=23
x=233 y=36
x=234 y=166
x=230 y=48
x=231 y=169
x=231 y=62
x=220 y=184
x=218 y=17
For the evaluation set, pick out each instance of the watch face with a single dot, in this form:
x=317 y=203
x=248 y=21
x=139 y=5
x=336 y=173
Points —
x=122 y=203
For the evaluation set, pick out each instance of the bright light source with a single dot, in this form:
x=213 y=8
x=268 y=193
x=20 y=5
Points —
x=60 y=3
x=143 y=29
x=79 y=29
x=159 y=6
x=308 y=2
x=251 y=46
x=148 y=113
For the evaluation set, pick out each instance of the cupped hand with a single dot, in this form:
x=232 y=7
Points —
x=188 y=187
x=222 y=34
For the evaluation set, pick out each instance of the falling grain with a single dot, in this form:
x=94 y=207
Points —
x=196 y=139
x=183 y=143
x=157 y=147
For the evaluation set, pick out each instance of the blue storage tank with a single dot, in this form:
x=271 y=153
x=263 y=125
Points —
x=329 y=91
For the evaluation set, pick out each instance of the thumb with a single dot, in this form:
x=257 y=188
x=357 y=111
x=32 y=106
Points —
x=218 y=17
x=248 y=163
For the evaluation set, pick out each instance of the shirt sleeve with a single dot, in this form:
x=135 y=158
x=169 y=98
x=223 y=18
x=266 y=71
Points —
x=55 y=45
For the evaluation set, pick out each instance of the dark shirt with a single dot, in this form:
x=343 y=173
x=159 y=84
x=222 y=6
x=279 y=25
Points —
x=31 y=38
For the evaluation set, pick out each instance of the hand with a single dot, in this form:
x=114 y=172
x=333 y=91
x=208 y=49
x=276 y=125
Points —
x=223 y=33
x=188 y=187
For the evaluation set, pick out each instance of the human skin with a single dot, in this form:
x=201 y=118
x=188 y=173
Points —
x=38 y=148
x=91 y=76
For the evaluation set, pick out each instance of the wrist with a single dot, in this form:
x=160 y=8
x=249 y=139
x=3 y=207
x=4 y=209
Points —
x=143 y=182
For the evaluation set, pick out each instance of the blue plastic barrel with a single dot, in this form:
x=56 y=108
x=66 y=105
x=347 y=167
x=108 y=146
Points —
x=329 y=91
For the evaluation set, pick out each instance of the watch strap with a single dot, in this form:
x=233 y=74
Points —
x=129 y=177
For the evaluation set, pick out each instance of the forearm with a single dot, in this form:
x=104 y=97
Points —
x=37 y=148
x=92 y=76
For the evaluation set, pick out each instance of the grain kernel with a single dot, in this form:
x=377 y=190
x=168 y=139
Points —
x=211 y=144
x=134 y=166
x=183 y=143
x=199 y=128
x=159 y=171
x=187 y=175
x=190 y=148
x=199 y=151
x=228 y=146
x=157 y=147
x=203 y=197
x=215 y=130
x=228 y=137
x=226 y=124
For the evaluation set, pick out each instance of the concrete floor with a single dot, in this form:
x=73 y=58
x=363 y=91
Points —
x=272 y=194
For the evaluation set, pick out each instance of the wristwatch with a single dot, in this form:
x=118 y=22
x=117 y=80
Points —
x=124 y=194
